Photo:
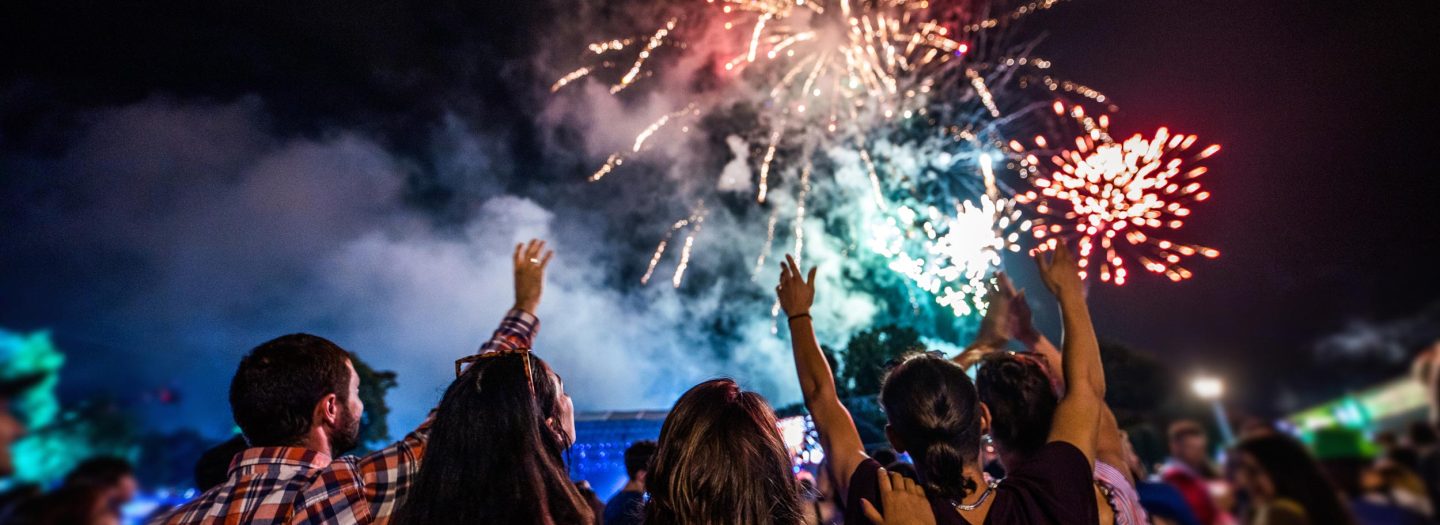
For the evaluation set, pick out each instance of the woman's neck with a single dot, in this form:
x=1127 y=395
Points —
x=978 y=497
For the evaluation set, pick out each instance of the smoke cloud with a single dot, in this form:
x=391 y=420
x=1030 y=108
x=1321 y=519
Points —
x=205 y=236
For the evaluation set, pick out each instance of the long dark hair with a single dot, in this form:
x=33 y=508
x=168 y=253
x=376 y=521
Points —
x=1297 y=477
x=721 y=460
x=933 y=408
x=1022 y=403
x=492 y=458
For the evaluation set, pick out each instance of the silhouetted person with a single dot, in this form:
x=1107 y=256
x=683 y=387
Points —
x=1189 y=469
x=627 y=507
x=213 y=467
x=94 y=492
x=1285 y=485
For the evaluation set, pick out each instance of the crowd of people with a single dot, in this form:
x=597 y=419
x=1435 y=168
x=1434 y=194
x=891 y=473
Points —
x=1029 y=440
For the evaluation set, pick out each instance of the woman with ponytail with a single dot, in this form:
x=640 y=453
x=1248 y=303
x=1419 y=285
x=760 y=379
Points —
x=934 y=413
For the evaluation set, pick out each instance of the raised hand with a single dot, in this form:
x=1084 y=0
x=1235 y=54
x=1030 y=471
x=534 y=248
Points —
x=530 y=261
x=1060 y=271
x=904 y=502
x=796 y=293
x=998 y=325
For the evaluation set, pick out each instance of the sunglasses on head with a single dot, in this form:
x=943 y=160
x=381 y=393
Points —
x=470 y=360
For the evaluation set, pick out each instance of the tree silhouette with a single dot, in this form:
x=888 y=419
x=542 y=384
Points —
x=870 y=351
x=373 y=385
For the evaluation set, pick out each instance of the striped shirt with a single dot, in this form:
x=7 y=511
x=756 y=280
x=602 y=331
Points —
x=275 y=485
x=1121 y=495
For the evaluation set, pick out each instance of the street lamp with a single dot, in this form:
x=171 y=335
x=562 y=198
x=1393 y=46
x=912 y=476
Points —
x=1211 y=389
x=1208 y=388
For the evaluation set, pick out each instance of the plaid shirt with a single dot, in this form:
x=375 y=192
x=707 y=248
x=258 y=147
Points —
x=296 y=485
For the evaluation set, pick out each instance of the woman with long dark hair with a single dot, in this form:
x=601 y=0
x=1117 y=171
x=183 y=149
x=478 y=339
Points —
x=1285 y=485
x=935 y=415
x=496 y=449
x=495 y=453
x=720 y=460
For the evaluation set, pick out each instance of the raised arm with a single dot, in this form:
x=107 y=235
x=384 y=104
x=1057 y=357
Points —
x=518 y=328
x=996 y=328
x=1077 y=417
x=1110 y=442
x=843 y=448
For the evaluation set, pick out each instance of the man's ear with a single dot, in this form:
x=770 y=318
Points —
x=328 y=410
x=640 y=476
x=895 y=442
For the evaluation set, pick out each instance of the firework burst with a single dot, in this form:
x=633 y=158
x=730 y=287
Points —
x=881 y=85
x=1118 y=199
x=828 y=73
x=949 y=256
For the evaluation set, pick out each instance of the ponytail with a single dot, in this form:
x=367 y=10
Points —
x=934 y=409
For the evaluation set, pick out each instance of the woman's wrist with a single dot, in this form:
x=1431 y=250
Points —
x=801 y=315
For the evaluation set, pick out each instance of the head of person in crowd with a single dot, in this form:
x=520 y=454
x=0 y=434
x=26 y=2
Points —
x=1422 y=436
x=93 y=493
x=298 y=390
x=1017 y=391
x=721 y=459
x=113 y=477
x=1190 y=446
x=904 y=469
x=637 y=460
x=1277 y=473
x=11 y=428
x=628 y=505
x=213 y=467
x=1387 y=439
x=496 y=449
x=1398 y=484
x=935 y=415
x=69 y=505
x=1255 y=427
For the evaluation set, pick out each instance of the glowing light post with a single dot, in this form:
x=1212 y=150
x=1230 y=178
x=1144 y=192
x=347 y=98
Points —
x=1210 y=389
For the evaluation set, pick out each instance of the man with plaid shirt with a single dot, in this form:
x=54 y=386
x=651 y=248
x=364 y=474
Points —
x=297 y=400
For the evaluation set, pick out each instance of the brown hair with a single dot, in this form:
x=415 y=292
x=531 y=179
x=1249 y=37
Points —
x=934 y=408
x=277 y=385
x=721 y=460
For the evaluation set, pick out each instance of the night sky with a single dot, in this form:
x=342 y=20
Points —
x=1322 y=209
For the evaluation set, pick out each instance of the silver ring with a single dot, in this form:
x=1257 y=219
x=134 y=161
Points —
x=535 y=261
